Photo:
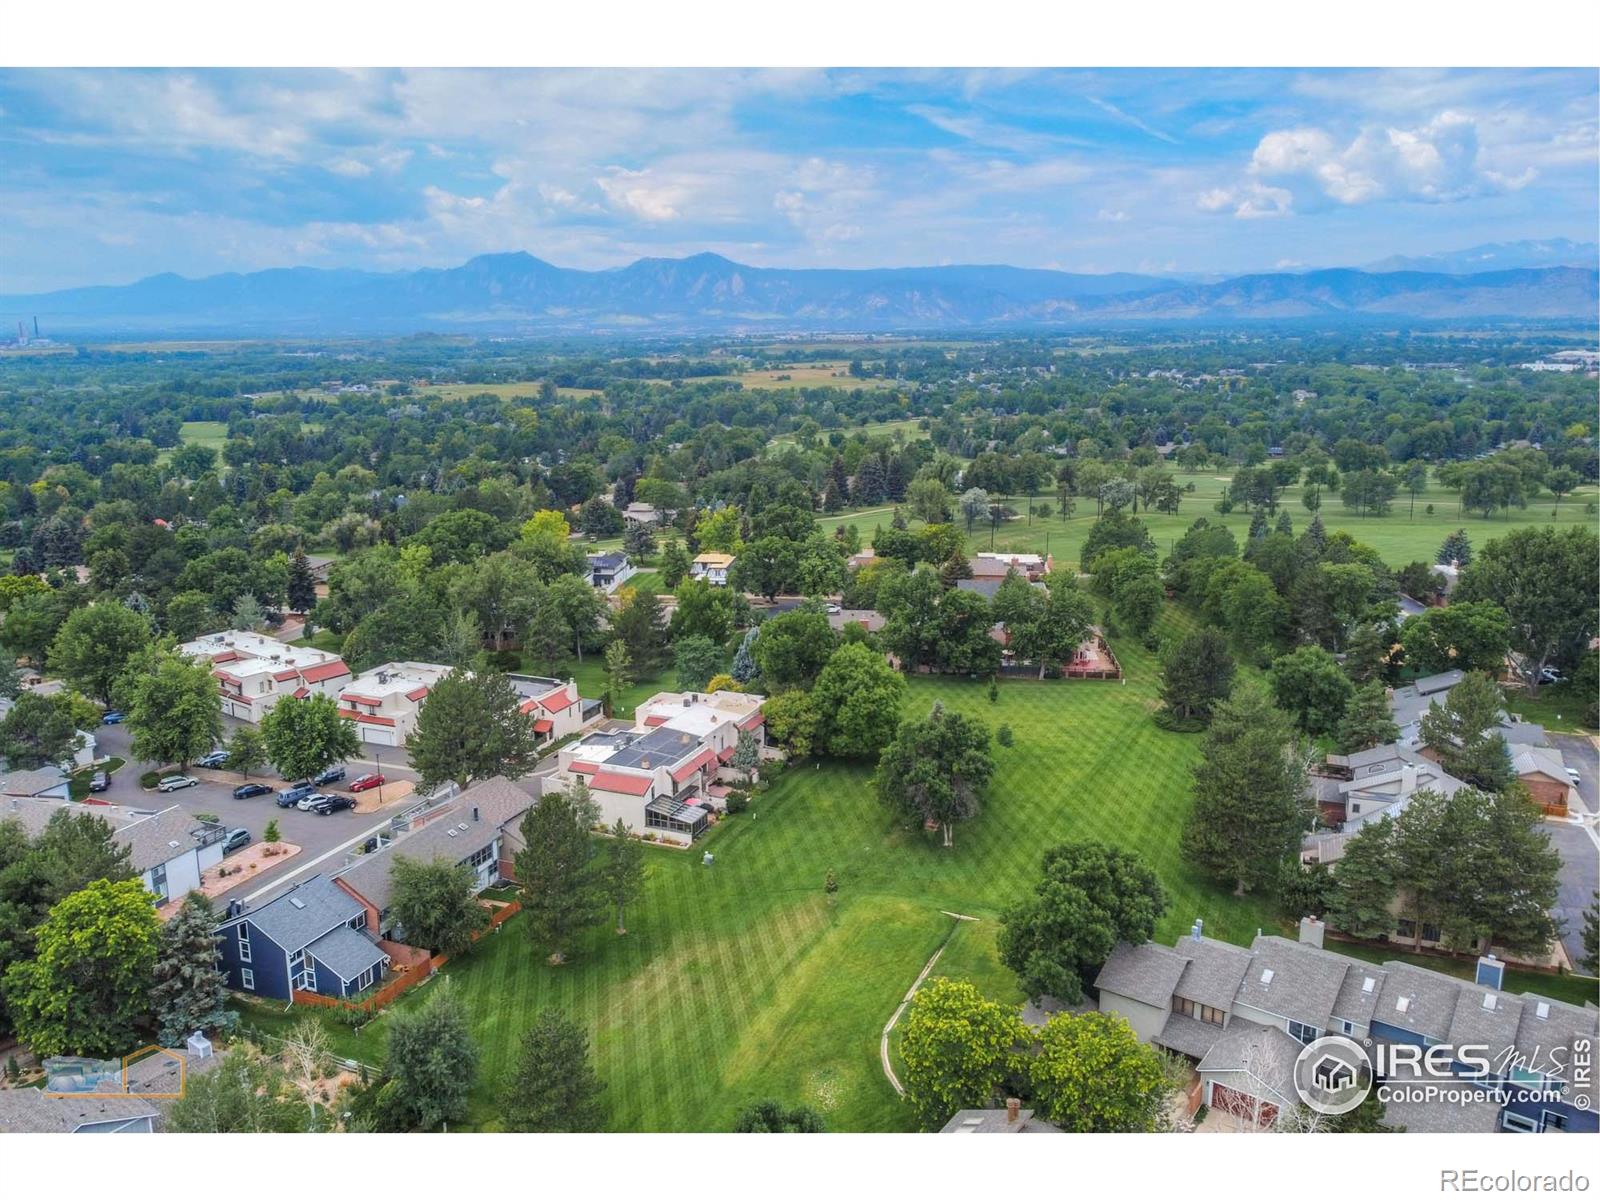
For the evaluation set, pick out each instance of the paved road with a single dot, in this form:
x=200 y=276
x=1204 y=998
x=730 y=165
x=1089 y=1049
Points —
x=317 y=837
x=1578 y=842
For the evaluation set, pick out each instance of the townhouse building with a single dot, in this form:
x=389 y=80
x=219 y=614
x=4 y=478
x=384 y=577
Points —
x=254 y=672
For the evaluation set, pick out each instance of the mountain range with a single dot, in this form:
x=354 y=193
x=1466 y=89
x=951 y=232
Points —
x=518 y=293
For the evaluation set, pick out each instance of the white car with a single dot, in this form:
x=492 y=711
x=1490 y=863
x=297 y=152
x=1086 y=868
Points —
x=1572 y=774
x=173 y=783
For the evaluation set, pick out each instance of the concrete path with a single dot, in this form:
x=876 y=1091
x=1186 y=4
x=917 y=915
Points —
x=883 y=1041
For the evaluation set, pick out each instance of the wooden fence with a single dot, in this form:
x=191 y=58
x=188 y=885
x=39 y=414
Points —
x=406 y=978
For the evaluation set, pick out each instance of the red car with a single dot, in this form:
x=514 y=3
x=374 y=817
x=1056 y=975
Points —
x=365 y=782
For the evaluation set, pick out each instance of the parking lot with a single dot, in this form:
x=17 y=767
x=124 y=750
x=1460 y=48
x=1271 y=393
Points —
x=322 y=840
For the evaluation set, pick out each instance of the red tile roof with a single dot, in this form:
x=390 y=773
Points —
x=615 y=781
x=584 y=768
x=285 y=676
x=556 y=701
x=225 y=657
x=327 y=670
x=358 y=698
x=655 y=720
x=351 y=714
x=300 y=693
x=543 y=726
x=704 y=759
x=417 y=693
x=754 y=721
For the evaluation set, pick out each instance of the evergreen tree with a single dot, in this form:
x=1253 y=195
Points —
x=1457 y=548
x=302 y=590
x=553 y=1087
x=619 y=674
x=744 y=663
x=471 y=727
x=1366 y=655
x=430 y=1061
x=1367 y=722
x=189 y=993
x=1364 y=882
x=1464 y=733
x=1196 y=674
x=621 y=871
x=560 y=891
x=1591 y=936
x=770 y=1116
x=1249 y=793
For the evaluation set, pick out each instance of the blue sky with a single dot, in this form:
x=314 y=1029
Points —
x=107 y=176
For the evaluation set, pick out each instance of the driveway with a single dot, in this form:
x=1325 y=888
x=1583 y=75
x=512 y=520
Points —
x=317 y=837
x=1581 y=755
x=1580 y=869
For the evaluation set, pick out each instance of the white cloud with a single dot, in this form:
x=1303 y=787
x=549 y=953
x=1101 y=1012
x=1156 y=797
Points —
x=350 y=168
x=1114 y=215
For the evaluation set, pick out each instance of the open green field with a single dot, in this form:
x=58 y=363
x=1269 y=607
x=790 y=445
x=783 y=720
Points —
x=807 y=375
x=1400 y=537
x=742 y=980
x=907 y=429
x=204 y=433
x=461 y=391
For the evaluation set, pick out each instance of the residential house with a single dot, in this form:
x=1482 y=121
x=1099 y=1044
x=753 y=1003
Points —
x=658 y=777
x=31 y=1110
x=1243 y=1016
x=610 y=570
x=711 y=567
x=989 y=564
x=869 y=619
x=255 y=671
x=1543 y=771
x=470 y=832
x=1361 y=787
x=383 y=703
x=49 y=783
x=311 y=938
x=1408 y=705
x=862 y=558
x=167 y=849
x=640 y=513
x=554 y=706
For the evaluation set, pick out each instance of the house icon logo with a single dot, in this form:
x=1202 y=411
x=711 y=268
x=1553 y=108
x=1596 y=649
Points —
x=1333 y=1075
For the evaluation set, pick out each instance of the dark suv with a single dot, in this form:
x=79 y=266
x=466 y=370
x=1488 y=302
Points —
x=331 y=804
x=330 y=775
x=291 y=797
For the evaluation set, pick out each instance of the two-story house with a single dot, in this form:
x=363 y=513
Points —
x=312 y=938
x=383 y=703
x=711 y=567
x=554 y=706
x=254 y=671
x=610 y=570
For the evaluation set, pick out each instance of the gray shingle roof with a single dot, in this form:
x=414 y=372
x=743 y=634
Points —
x=29 y=1110
x=1215 y=971
x=151 y=841
x=31 y=783
x=1304 y=983
x=1434 y=1116
x=1430 y=1000
x=994 y=1120
x=1539 y=1038
x=1148 y=973
x=1264 y=1053
x=1356 y=1000
x=1473 y=1024
x=1188 y=1036
x=346 y=953
x=322 y=905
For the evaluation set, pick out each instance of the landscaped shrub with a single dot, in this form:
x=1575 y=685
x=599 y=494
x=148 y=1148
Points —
x=1004 y=736
x=149 y=779
x=737 y=802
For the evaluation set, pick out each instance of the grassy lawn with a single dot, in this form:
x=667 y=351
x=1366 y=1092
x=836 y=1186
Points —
x=647 y=581
x=743 y=980
x=1400 y=537
x=1558 y=708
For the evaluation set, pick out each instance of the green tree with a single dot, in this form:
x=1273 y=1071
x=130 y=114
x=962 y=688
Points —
x=1196 y=674
x=1312 y=688
x=1091 y=1074
x=793 y=648
x=1364 y=882
x=937 y=769
x=436 y=904
x=859 y=696
x=640 y=625
x=696 y=659
x=173 y=710
x=771 y=1116
x=767 y=566
x=561 y=892
x=1090 y=897
x=621 y=872
x=1464 y=733
x=1456 y=548
x=703 y=611
x=302 y=588
x=619 y=673
x=471 y=727
x=1466 y=636
x=247 y=750
x=553 y=1088
x=675 y=564
x=1543 y=579
x=188 y=992
x=1367 y=722
x=1591 y=936
x=86 y=990
x=430 y=1060
x=1249 y=793
x=244 y=1093
x=188 y=615
x=794 y=722
x=960 y=1050
x=37 y=732
x=581 y=609
x=95 y=644
x=303 y=736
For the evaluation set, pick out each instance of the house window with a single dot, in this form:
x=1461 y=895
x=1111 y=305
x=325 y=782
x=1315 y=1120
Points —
x=244 y=943
x=1304 y=1034
x=1518 y=1123
x=158 y=880
x=1347 y=1027
x=247 y=979
x=480 y=857
x=1200 y=1012
x=1554 y=1121
x=360 y=922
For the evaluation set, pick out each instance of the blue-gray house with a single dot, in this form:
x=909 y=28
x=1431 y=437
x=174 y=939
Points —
x=309 y=939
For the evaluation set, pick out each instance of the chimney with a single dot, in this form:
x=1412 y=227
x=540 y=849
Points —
x=1408 y=778
x=1013 y=1110
x=474 y=813
x=1311 y=931
x=1197 y=929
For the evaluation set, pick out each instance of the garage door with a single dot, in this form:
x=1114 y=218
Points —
x=1241 y=1105
x=378 y=737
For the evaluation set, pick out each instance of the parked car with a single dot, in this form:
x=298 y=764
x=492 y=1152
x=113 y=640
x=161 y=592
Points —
x=309 y=799
x=173 y=783
x=215 y=759
x=1551 y=675
x=1572 y=774
x=290 y=797
x=330 y=775
x=99 y=781
x=324 y=805
x=237 y=839
x=112 y=718
x=248 y=791
x=366 y=782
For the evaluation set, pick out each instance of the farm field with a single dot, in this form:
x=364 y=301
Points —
x=1399 y=537
x=807 y=375
x=742 y=980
